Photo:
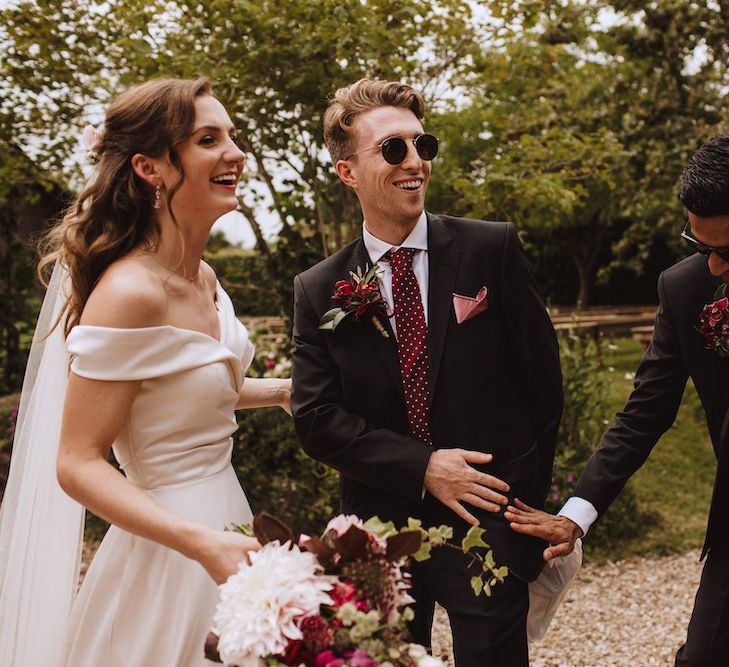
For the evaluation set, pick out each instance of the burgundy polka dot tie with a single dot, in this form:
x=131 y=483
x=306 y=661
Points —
x=411 y=341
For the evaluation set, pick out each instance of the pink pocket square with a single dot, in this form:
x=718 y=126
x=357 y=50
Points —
x=467 y=307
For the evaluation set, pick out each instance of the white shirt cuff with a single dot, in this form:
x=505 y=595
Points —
x=581 y=511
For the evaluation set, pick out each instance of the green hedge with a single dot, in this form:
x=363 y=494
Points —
x=587 y=414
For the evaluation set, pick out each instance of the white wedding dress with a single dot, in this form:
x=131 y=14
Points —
x=142 y=603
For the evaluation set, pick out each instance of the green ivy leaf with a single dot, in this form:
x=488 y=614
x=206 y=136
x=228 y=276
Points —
x=379 y=527
x=414 y=523
x=440 y=534
x=477 y=585
x=423 y=553
x=473 y=539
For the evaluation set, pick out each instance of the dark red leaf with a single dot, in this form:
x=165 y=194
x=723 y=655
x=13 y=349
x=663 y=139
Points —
x=211 y=647
x=322 y=551
x=352 y=545
x=268 y=528
x=404 y=544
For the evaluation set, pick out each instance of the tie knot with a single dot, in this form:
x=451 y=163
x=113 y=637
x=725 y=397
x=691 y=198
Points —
x=402 y=259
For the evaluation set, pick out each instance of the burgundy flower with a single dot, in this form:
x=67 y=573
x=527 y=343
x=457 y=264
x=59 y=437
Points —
x=359 y=296
x=714 y=322
x=343 y=288
x=295 y=653
x=317 y=634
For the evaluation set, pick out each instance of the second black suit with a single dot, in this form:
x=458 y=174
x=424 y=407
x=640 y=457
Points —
x=677 y=352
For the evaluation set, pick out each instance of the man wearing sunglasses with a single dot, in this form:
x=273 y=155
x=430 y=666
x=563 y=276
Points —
x=677 y=351
x=456 y=407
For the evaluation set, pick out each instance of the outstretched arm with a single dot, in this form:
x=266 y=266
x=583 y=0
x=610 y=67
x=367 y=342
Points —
x=265 y=393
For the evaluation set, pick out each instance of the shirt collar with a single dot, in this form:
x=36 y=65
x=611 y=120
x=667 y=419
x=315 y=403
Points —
x=417 y=239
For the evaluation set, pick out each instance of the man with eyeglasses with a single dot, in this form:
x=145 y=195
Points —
x=677 y=351
x=450 y=405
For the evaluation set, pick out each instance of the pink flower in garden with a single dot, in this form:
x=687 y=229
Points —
x=269 y=364
x=570 y=478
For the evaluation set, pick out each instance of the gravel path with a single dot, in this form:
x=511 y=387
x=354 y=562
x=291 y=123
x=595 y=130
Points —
x=631 y=613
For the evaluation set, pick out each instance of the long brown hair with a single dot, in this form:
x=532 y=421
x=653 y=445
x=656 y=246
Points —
x=114 y=213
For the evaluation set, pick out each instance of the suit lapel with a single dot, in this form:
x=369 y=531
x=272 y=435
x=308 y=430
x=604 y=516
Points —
x=443 y=261
x=386 y=348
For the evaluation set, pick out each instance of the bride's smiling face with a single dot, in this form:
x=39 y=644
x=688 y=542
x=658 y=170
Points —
x=212 y=163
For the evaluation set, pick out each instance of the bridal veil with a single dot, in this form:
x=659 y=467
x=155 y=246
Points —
x=41 y=528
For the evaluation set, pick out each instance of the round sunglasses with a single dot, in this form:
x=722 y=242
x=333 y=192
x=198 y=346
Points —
x=702 y=248
x=395 y=149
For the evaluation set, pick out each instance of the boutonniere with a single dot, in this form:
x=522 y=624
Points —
x=714 y=322
x=359 y=298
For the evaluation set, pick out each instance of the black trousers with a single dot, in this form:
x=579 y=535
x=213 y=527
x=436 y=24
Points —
x=487 y=631
x=707 y=643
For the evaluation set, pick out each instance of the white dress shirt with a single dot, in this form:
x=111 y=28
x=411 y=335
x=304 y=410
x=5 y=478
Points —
x=581 y=511
x=377 y=249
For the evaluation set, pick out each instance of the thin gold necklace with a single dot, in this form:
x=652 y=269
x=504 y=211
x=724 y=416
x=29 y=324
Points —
x=182 y=275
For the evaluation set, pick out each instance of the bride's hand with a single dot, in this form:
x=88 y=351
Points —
x=559 y=531
x=223 y=552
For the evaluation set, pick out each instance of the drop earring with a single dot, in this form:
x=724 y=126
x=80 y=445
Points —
x=157 y=199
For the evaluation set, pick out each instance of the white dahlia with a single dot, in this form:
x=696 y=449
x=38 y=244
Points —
x=259 y=605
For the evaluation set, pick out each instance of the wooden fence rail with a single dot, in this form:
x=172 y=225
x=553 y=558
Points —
x=597 y=320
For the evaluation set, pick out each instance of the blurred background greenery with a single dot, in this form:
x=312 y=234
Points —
x=572 y=119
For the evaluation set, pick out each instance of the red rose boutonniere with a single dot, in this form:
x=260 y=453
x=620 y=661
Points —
x=359 y=297
x=714 y=322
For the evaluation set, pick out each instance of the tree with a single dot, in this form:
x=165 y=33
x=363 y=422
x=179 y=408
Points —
x=28 y=198
x=578 y=128
x=273 y=63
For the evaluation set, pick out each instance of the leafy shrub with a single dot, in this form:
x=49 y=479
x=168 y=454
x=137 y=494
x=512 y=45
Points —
x=274 y=471
x=586 y=415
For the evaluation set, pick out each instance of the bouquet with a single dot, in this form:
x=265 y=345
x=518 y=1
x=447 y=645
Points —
x=333 y=601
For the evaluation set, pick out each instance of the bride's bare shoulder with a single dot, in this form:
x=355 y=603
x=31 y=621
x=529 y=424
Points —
x=128 y=295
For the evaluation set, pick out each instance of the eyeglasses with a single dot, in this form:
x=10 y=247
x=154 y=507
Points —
x=707 y=250
x=395 y=149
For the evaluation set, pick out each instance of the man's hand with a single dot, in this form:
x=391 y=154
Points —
x=559 y=531
x=451 y=479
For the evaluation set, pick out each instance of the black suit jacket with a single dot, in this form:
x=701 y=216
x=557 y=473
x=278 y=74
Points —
x=494 y=384
x=676 y=352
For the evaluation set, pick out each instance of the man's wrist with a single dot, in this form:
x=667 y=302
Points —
x=581 y=512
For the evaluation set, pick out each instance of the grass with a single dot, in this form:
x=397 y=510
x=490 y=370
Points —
x=674 y=485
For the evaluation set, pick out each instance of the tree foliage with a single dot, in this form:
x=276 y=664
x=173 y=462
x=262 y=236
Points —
x=274 y=63
x=572 y=119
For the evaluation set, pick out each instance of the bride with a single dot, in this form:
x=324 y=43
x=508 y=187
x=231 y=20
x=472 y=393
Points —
x=157 y=360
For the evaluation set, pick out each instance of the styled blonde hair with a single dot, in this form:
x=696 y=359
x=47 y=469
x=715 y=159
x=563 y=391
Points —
x=363 y=95
x=114 y=213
